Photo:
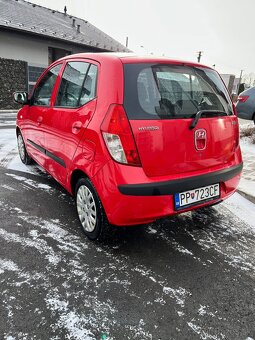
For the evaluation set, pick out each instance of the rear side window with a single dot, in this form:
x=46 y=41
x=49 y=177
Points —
x=168 y=91
x=78 y=84
x=88 y=91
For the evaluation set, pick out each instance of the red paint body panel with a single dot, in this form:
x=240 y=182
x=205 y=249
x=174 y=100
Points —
x=73 y=137
x=171 y=149
x=63 y=130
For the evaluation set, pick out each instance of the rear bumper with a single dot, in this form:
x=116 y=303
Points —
x=179 y=185
x=144 y=203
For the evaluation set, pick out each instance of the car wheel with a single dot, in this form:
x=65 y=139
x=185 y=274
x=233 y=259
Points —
x=25 y=158
x=90 y=210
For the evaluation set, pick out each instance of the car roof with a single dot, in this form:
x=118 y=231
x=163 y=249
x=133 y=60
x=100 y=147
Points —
x=127 y=58
x=249 y=90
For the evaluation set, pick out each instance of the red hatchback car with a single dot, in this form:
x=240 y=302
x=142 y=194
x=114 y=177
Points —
x=134 y=139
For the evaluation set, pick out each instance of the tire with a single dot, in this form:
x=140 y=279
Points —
x=25 y=158
x=90 y=210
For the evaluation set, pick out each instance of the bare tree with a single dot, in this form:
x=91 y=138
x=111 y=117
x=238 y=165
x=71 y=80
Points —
x=249 y=79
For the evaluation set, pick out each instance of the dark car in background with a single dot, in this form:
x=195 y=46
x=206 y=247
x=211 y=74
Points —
x=246 y=104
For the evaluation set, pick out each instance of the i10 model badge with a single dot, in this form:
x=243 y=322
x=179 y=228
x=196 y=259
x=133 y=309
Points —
x=200 y=139
x=148 y=128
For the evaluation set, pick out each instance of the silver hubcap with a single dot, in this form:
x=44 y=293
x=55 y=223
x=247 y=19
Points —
x=86 y=208
x=21 y=147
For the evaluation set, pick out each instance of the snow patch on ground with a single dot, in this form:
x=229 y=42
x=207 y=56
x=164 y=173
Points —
x=16 y=165
x=76 y=325
x=203 y=335
x=8 y=187
x=30 y=182
x=239 y=249
x=65 y=241
x=204 y=310
x=40 y=245
x=246 y=146
x=181 y=249
x=22 y=276
x=152 y=230
x=247 y=186
x=179 y=295
x=139 y=332
x=9 y=157
x=242 y=208
x=173 y=243
x=21 y=336
x=34 y=233
x=8 y=265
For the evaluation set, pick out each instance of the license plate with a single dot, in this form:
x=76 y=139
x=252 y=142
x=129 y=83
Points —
x=188 y=198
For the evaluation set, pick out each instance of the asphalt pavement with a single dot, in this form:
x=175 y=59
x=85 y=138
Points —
x=185 y=277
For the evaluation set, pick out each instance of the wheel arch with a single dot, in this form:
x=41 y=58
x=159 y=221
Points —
x=75 y=176
x=17 y=131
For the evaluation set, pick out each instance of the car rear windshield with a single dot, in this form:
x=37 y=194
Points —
x=159 y=91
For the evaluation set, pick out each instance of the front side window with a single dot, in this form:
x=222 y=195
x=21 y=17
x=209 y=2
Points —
x=78 y=84
x=169 y=91
x=42 y=93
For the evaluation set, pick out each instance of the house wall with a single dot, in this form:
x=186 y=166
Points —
x=32 y=49
x=13 y=77
x=17 y=46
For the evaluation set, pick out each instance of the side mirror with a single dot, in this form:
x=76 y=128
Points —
x=20 y=97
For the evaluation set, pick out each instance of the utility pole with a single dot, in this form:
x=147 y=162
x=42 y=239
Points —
x=239 y=83
x=126 y=41
x=199 y=56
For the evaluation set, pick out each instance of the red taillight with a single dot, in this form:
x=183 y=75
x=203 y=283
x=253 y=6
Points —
x=118 y=136
x=242 y=99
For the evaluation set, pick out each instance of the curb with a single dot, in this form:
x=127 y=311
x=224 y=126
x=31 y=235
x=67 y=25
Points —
x=7 y=127
x=8 y=115
x=247 y=196
x=9 y=111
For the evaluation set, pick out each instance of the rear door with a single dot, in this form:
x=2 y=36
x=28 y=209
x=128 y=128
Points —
x=161 y=102
x=74 y=106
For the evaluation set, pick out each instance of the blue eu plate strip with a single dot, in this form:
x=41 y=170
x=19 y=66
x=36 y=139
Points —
x=177 y=200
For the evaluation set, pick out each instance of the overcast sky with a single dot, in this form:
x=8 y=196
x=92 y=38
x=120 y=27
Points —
x=222 y=29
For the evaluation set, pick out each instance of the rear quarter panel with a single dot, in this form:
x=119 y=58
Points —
x=91 y=154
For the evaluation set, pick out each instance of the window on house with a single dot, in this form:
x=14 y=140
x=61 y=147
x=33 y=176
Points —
x=56 y=53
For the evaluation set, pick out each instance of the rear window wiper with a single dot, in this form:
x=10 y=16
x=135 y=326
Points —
x=204 y=112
